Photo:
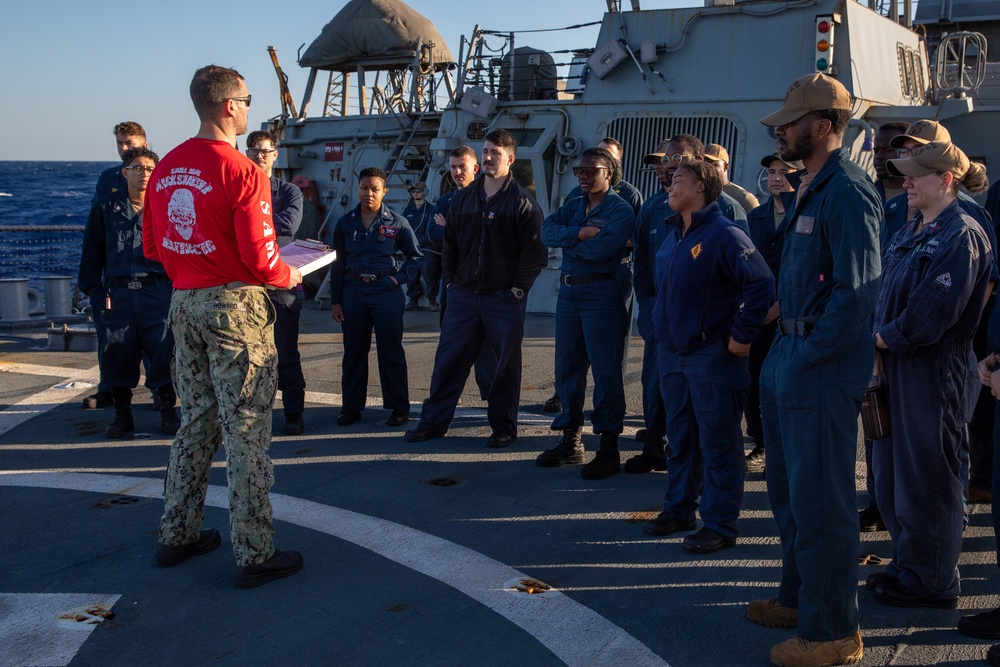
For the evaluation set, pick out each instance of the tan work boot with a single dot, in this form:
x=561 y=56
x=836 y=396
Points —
x=798 y=652
x=772 y=614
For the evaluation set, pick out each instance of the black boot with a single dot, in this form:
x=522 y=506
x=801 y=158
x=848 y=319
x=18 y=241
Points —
x=607 y=461
x=123 y=426
x=568 y=451
x=167 y=399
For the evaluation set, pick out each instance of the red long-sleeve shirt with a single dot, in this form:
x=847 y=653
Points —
x=207 y=218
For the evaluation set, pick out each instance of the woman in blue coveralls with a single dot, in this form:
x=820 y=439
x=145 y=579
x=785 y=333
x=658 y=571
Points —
x=591 y=317
x=366 y=293
x=935 y=279
x=713 y=293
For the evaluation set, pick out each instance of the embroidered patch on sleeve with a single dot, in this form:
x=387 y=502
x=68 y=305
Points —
x=944 y=280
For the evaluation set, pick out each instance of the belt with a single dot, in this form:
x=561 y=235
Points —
x=372 y=276
x=585 y=279
x=239 y=284
x=799 y=327
x=133 y=282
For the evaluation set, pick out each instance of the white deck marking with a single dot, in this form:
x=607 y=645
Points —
x=577 y=635
x=32 y=633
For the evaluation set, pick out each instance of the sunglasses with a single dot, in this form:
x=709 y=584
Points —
x=589 y=172
x=238 y=99
x=676 y=158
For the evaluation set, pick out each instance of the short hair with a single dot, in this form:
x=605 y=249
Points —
x=693 y=143
x=258 y=135
x=464 y=151
x=839 y=118
x=611 y=141
x=210 y=86
x=373 y=172
x=707 y=174
x=604 y=155
x=502 y=139
x=897 y=126
x=130 y=128
x=140 y=151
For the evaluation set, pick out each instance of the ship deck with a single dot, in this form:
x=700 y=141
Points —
x=413 y=551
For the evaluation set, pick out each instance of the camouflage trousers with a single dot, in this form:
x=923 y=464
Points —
x=226 y=378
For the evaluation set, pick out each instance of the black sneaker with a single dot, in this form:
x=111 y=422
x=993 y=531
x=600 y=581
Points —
x=281 y=564
x=641 y=464
x=397 y=418
x=706 y=541
x=348 y=417
x=413 y=305
x=756 y=459
x=985 y=625
x=168 y=556
x=667 y=524
x=554 y=404
x=98 y=401
x=870 y=520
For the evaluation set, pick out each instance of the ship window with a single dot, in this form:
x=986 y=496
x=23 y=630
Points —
x=640 y=135
x=475 y=131
x=525 y=138
x=524 y=174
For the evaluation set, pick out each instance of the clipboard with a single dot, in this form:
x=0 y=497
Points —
x=307 y=255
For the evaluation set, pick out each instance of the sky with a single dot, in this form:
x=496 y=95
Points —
x=75 y=69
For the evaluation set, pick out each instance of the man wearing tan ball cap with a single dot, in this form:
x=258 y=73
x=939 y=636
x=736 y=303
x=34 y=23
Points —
x=815 y=374
x=718 y=157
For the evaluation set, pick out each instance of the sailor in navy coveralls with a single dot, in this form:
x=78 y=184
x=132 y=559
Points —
x=936 y=276
x=366 y=293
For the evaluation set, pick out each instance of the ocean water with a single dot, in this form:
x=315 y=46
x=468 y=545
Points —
x=45 y=193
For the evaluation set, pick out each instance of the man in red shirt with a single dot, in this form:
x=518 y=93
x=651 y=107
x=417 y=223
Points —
x=209 y=213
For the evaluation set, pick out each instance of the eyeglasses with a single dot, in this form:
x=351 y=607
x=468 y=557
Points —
x=904 y=153
x=138 y=168
x=417 y=191
x=589 y=172
x=252 y=152
x=238 y=99
x=676 y=158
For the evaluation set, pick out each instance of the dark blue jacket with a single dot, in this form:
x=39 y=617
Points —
x=895 y=219
x=933 y=283
x=286 y=210
x=373 y=250
x=110 y=180
x=711 y=284
x=112 y=245
x=768 y=239
x=435 y=232
x=624 y=189
x=494 y=244
x=650 y=230
x=601 y=254
x=830 y=264
x=419 y=219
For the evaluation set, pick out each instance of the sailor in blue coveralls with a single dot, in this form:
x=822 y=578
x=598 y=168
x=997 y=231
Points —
x=713 y=292
x=286 y=213
x=767 y=232
x=366 y=293
x=128 y=135
x=419 y=212
x=936 y=276
x=591 y=315
x=816 y=374
x=134 y=295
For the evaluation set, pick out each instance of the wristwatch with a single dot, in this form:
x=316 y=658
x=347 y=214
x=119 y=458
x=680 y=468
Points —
x=517 y=292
